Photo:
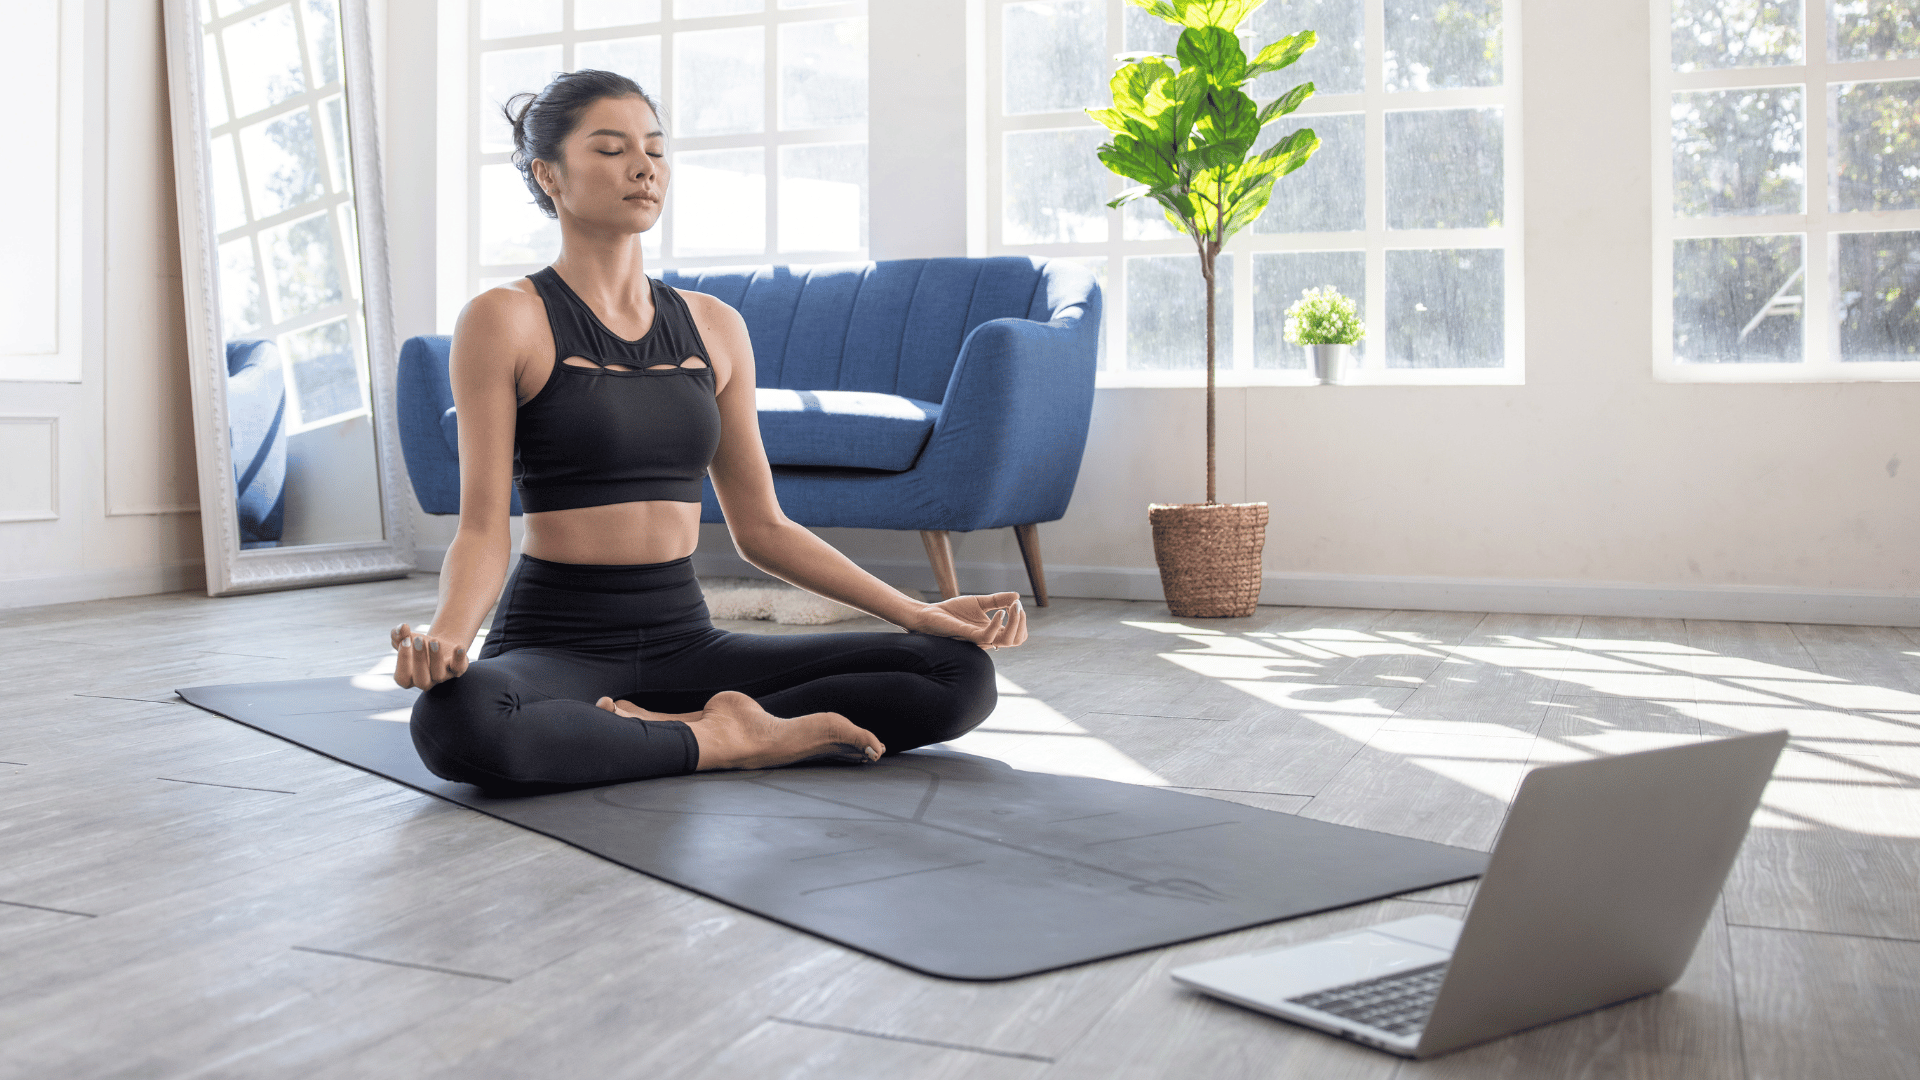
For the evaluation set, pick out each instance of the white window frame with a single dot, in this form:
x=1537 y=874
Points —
x=1238 y=368
x=459 y=274
x=1816 y=228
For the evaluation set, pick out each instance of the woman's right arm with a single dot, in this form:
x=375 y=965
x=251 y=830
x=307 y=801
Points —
x=489 y=341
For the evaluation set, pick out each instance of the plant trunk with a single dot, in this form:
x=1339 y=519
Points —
x=1206 y=270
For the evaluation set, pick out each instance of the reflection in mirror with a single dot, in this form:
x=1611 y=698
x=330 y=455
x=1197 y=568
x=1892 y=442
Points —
x=298 y=391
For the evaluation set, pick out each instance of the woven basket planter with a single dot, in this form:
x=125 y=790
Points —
x=1209 y=556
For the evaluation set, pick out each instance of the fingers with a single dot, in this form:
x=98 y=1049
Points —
x=425 y=662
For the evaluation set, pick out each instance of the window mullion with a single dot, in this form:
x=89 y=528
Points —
x=1374 y=355
x=1820 y=337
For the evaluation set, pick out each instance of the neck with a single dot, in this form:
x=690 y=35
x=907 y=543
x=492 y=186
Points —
x=608 y=267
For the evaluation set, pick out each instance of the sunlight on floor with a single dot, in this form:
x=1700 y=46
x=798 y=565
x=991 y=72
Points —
x=1853 y=762
x=1029 y=734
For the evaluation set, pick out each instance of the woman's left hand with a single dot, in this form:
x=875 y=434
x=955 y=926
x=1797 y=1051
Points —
x=991 y=622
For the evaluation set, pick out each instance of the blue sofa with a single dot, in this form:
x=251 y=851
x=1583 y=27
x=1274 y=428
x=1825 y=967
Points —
x=937 y=395
x=257 y=434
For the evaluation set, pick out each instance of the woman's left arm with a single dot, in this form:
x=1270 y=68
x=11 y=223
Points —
x=769 y=540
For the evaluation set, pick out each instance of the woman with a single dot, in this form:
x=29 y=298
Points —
x=606 y=396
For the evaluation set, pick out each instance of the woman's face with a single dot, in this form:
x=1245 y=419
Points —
x=613 y=171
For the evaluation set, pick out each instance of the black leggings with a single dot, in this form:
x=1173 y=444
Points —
x=523 y=716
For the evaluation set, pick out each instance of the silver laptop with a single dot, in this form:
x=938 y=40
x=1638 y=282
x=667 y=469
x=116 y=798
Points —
x=1597 y=891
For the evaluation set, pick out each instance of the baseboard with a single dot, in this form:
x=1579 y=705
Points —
x=1743 y=603
x=80 y=585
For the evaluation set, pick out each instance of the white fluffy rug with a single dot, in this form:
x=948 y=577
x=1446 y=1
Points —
x=757 y=598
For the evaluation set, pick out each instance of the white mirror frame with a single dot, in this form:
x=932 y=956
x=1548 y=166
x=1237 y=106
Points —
x=231 y=570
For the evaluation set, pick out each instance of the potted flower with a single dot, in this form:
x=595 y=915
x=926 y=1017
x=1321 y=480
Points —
x=1327 y=324
x=1183 y=132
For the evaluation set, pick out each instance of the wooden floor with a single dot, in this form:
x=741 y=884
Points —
x=183 y=896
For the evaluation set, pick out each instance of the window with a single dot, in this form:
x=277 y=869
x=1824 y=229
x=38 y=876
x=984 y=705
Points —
x=1766 y=268
x=283 y=199
x=766 y=111
x=1411 y=205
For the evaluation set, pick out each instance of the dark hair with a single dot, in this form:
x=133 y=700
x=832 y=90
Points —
x=542 y=121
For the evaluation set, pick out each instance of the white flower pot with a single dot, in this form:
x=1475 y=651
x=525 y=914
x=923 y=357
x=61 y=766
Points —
x=1330 y=363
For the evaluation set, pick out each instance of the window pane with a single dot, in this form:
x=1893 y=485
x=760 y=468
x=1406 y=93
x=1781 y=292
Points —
x=512 y=229
x=701 y=9
x=323 y=40
x=638 y=58
x=717 y=82
x=326 y=376
x=1446 y=309
x=1167 y=313
x=243 y=304
x=282 y=162
x=1329 y=192
x=1735 y=33
x=1335 y=64
x=334 y=110
x=719 y=202
x=1444 y=169
x=1737 y=300
x=1055 y=56
x=216 y=90
x=1738 y=152
x=1145 y=219
x=1144 y=32
x=823 y=74
x=229 y=208
x=823 y=197
x=1873 y=30
x=1874 y=129
x=350 y=237
x=1056 y=189
x=1438 y=44
x=598 y=14
x=305 y=264
x=1278 y=281
x=514 y=18
x=263 y=60
x=1879 y=280
x=504 y=73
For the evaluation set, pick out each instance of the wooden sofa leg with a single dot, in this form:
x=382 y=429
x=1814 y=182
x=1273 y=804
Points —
x=940 y=554
x=1029 y=537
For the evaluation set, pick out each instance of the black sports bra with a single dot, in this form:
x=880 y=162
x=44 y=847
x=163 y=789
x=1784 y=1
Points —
x=594 y=436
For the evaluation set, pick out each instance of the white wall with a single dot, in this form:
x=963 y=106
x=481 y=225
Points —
x=119 y=463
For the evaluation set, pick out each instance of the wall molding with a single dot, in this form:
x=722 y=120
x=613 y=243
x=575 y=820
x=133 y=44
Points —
x=52 y=511
x=1741 y=603
x=77 y=585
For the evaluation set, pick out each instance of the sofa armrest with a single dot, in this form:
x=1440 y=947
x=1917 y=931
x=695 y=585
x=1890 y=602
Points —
x=1013 y=425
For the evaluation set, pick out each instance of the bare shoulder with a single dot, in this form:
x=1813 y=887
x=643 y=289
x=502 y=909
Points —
x=502 y=328
x=712 y=313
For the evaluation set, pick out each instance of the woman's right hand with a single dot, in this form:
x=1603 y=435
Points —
x=426 y=661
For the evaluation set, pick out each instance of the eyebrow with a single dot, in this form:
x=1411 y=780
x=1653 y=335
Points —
x=622 y=134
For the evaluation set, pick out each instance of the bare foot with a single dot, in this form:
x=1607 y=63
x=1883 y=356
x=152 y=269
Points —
x=734 y=732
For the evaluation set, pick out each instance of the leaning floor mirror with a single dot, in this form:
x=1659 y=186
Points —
x=288 y=312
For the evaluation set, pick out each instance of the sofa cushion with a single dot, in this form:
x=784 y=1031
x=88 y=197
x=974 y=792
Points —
x=845 y=428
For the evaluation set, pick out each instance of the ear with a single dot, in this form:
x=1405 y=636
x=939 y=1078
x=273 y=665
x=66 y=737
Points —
x=545 y=175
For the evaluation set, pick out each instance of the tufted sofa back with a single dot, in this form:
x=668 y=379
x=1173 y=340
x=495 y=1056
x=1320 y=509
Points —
x=891 y=327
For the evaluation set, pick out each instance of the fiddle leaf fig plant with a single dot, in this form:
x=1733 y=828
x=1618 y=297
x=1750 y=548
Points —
x=1183 y=132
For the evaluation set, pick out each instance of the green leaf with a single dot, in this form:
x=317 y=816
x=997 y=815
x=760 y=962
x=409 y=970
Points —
x=1282 y=53
x=1225 y=14
x=1285 y=103
x=1214 y=51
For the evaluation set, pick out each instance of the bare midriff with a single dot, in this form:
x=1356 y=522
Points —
x=616 y=534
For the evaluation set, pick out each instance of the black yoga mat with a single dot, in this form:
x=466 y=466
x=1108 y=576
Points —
x=947 y=863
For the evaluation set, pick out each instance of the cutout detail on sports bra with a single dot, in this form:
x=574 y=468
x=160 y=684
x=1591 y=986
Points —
x=691 y=363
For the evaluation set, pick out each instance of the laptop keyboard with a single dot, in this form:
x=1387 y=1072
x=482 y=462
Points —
x=1398 y=1003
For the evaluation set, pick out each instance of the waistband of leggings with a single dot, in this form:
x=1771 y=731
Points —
x=605 y=577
